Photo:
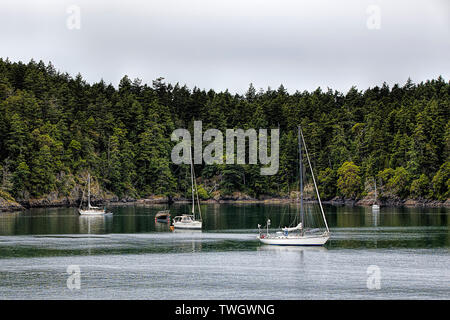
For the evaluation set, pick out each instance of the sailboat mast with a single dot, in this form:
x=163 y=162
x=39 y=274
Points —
x=301 y=175
x=89 y=190
x=375 y=190
x=192 y=182
x=314 y=180
x=198 y=200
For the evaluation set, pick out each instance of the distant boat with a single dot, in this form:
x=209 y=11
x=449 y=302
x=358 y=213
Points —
x=375 y=206
x=298 y=235
x=90 y=210
x=190 y=221
x=162 y=216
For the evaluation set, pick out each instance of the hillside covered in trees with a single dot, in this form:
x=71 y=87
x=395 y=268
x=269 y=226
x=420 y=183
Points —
x=55 y=127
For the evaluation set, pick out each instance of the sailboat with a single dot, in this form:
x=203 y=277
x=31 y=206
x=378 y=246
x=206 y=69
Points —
x=190 y=221
x=90 y=210
x=375 y=206
x=298 y=235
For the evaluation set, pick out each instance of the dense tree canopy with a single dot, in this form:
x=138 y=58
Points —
x=54 y=127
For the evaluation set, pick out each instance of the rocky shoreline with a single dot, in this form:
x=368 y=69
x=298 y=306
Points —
x=52 y=201
x=10 y=205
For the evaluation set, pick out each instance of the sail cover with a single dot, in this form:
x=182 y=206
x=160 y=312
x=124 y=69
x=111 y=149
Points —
x=298 y=227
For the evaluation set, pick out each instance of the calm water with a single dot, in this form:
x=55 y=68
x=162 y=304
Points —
x=128 y=256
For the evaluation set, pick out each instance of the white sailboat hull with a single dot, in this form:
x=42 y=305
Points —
x=294 y=240
x=91 y=212
x=188 y=225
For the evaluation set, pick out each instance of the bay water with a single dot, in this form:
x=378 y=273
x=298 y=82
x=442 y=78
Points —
x=395 y=253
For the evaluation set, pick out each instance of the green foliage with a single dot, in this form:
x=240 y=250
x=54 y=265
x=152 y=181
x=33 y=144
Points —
x=420 y=187
x=5 y=195
x=327 y=183
x=53 y=127
x=232 y=178
x=349 y=181
x=399 y=183
x=202 y=193
x=20 y=177
x=441 y=182
x=386 y=175
x=396 y=182
x=42 y=176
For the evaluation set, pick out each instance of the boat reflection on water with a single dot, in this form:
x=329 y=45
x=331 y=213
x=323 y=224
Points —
x=95 y=224
x=187 y=231
x=301 y=254
x=9 y=222
x=162 y=226
x=301 y=249
x=188 y=240
x=371 y=218
x=190 y=245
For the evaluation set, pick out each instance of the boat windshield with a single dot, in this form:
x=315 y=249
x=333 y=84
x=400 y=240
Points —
x=184 y=218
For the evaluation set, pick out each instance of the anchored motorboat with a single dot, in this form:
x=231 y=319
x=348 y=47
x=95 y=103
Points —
x=162 y=216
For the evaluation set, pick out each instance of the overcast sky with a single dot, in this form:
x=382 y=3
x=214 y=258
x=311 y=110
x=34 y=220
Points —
x=231 y=43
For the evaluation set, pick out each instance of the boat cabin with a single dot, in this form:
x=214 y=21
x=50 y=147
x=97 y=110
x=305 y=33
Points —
x=163 y=216
x=185 y=218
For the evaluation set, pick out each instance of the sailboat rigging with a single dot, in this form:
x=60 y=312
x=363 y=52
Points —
x=190 y=221
x=298 y=235
x=90 y=210
x=375 y=205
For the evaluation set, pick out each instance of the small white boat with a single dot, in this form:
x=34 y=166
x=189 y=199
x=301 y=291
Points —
x=186 y=221
x=190 y=221
x=295 y=240
x=90 y=210
x=375 y=206
x=301 y=238
x=298 y=235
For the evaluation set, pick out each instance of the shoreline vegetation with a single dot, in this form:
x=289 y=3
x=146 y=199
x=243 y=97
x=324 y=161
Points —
x=56 y=128
x=12 y=205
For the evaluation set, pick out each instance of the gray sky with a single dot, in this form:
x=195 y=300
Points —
x=230 y=43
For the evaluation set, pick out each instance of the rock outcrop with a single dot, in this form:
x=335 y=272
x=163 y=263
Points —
x=7 y=203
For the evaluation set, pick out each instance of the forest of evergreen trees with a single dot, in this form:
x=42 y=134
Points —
x=55 y=127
